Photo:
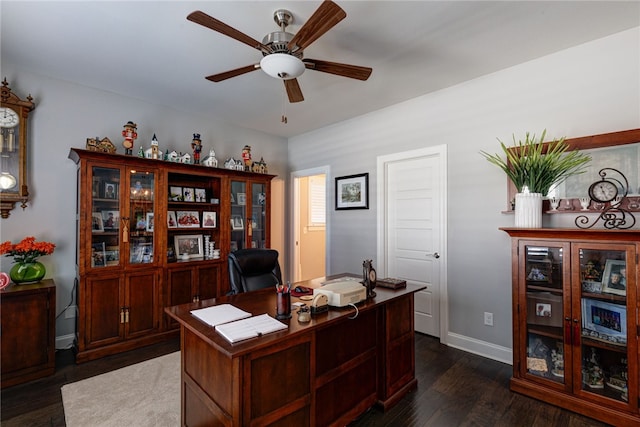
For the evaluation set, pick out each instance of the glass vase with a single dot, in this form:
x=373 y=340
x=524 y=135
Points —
x=27 y=272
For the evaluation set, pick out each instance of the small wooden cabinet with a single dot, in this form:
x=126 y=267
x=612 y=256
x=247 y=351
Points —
x=143 y=226
x=575 y=320
x=28 y=332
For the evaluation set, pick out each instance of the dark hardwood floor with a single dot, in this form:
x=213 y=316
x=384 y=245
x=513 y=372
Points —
x=455 y=388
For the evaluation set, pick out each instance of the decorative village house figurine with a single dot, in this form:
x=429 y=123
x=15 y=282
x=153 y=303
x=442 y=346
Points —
x=153 y=152
x=102 y=145
x=130 y=135
x=230 y=163
x=246 y=157
x=211 y=160
x=185 y=158
x=173 y=156
x=196 y=145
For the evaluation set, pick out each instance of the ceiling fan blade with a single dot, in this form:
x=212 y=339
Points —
x=322 y=20
x=232 y=73
x=293 y=90
x=207 y=21
x=345 y=70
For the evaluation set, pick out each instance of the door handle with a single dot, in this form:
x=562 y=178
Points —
x=436 y=255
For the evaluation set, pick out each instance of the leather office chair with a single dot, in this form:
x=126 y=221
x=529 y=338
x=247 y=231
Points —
x=253 y=269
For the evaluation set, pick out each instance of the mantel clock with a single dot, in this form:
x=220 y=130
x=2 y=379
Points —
x=14 y=113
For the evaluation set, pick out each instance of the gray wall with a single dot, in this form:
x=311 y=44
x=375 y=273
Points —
x=66 y=115
x=590 y=89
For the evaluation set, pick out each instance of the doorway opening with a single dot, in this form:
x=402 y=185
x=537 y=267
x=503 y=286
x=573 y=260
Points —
x=310 y=222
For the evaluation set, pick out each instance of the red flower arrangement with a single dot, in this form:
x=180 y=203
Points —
x=27 y=251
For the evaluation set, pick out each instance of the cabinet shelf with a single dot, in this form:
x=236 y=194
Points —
x=537 y=287
x=546 y=331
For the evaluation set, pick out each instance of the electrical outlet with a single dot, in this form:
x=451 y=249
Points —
x=70 y=312
x=488 y=318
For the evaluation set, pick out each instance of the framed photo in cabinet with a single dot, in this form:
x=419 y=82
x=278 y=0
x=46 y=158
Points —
x=188 y=219
x=110 y=190
x=604 y=321
x=97 y=225
x=188 y=246
x=172 y=221
x=242 y=199
x=208 y=219
x=112 y=254
x=175 y=194
x=201 y=195
x=614 y=279
x=188 y=194
x=111 y=220
x=98 y=255
x=149 y=221
x=237 y=223
x=96 y=184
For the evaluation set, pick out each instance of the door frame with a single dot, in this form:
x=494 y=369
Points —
x=295 y=215
x=439 y=151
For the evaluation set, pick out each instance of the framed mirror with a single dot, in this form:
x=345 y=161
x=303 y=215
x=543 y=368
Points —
x=618 y=150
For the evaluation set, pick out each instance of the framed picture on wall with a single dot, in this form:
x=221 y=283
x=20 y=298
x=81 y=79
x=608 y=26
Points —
x=352 y=192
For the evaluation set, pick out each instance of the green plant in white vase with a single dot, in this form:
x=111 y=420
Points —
x=539 y=165
x=534 y=167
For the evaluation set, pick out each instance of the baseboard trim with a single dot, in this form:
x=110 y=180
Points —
x=65 y=342
x=481 y=348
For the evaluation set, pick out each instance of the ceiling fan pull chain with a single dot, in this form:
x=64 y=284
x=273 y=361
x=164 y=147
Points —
x=284 y=110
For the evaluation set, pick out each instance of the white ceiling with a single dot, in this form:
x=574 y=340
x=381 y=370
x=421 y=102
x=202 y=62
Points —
x=148 y=50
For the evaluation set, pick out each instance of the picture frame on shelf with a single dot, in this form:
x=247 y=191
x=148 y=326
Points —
x=242 y=199
x=140 y=223
x=172 y=221
x=201 y=195
x=188 y=219
x=262 y=198
x=149 y=221
x=209 y=219
x=188 y=194
x=188 y=246
x=110 y=190
x=237 y=223
x=175 y=194
x=352 y=192
x=98 y=255
x=614 y=279
x=141 y=251
x=112 y=255
x=110 y=220
x=97 y=225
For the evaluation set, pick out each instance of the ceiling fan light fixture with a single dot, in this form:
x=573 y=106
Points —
x=282 y=66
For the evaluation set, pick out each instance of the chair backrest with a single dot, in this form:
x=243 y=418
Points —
x=252 y=269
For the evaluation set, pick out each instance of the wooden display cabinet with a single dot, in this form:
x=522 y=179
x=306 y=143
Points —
x=28 y=332
x=575 y=320
x=143 y=226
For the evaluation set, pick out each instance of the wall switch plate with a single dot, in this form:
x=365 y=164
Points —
x=488 y=318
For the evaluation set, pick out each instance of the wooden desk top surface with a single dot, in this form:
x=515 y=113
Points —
x=264 y=301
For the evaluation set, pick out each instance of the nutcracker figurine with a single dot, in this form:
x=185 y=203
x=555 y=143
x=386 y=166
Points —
x=130 y=135
x=196 y=145
x=246 y=157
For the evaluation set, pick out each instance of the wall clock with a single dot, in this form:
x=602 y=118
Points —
x=14 y=114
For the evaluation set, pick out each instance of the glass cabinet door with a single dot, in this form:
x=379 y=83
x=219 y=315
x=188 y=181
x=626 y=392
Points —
x=544 y=335
x=604 y=321
x=105 y=217
x=141 y=217
x=258 y=231
x=238 y=215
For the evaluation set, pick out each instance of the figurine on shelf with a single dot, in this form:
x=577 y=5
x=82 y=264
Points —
x=246 y=157
x=230 y=163
x=196 y=145
x=153 y=152
x=592 y=375
x=141 y=152
x=591 y=272
x=557 y=361
x=130 y=135
x=185 y=158
x=211 y=160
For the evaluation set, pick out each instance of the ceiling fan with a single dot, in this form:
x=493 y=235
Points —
x=283 y=52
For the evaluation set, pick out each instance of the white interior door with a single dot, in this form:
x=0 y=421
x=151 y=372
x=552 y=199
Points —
x=412 y=239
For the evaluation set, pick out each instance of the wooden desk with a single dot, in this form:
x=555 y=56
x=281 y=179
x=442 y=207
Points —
x=28 y=332
x=325 y=372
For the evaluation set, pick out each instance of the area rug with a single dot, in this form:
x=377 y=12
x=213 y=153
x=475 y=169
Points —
x=144 y=394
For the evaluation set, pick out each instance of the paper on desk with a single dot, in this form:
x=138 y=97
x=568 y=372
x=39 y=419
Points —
x=250 y=328
x=219 y=314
